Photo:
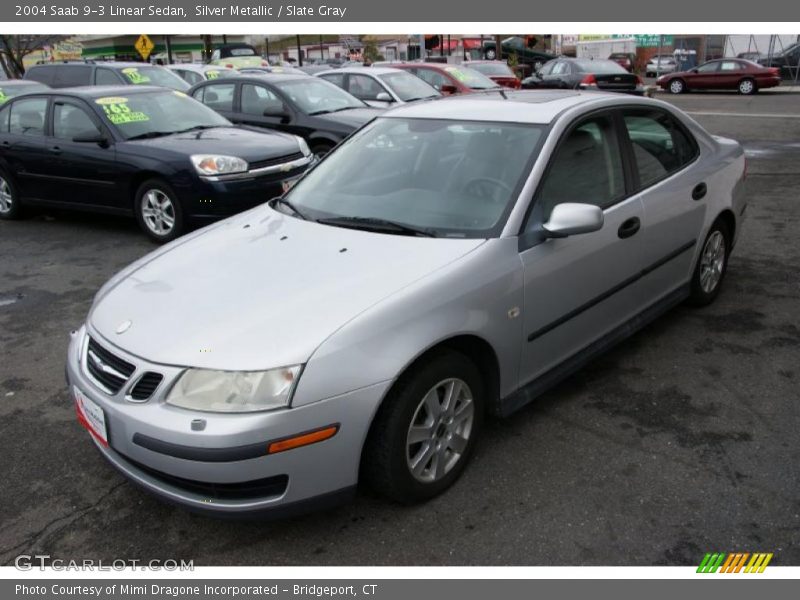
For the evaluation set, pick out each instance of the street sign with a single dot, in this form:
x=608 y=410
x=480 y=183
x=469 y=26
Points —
x=144 y=46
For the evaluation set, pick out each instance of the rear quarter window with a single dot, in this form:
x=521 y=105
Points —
x=44 y=74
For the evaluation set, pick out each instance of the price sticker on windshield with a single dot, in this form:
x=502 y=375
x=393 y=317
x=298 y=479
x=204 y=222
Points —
x=118 y=112
x=133 y=75
x=457 y=73
x=3 y=96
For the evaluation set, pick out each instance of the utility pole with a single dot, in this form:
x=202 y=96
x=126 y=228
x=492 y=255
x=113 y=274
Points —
x=168 y=44
x=299 y=52
x=321 y=52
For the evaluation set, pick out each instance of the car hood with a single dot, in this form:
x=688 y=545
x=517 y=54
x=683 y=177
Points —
x=260 y=290
x=352 y=117
x=237 y=141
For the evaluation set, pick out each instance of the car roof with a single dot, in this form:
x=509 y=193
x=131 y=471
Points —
x=198 y=68
x=111 y=64
x=363 y=70
x=13 y=82
x=266 y=77
x=524 y=106
x=99 y=91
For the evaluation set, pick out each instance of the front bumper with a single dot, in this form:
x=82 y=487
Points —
x=277 y=484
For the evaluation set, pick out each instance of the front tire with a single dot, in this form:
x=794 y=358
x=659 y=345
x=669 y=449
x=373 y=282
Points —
x=425 y=432
x=676 y=86
x=711 y=265
x=9 y=198
x=747 y=87
x=158 y=211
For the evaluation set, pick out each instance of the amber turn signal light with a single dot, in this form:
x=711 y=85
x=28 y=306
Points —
x=303 y=439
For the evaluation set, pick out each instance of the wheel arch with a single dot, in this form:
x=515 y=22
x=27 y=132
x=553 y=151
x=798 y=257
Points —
x=137 y=179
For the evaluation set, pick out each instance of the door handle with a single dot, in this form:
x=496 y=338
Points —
x=629 y=227
x=699 y=191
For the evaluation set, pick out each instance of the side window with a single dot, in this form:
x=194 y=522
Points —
x=4 y=114
x=218 y=96
x=730 y=65
x=256 y=100
x=432 y=77
x=73 y=75
x=70 y=120
x=560 y=68
x=106 y=77
x=336 y=79
x=364 y=87
x=28 y=116
x=708 y=68
x=660 y=145
x=191 y=77
x=547 y=68
x=586 y=167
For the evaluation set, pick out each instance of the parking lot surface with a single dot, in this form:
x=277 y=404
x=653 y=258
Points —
x=682 y=440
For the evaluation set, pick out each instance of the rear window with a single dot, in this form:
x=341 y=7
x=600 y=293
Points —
x=598 y=66
x=73 y=75
x=499 y=69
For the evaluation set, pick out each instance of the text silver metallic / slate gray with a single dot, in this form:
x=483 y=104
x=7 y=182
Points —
x=311 y=342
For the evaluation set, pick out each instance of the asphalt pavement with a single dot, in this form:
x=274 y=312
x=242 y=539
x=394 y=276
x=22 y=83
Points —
x=685 y=439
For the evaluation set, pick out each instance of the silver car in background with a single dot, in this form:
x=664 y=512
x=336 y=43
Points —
x=381 y=87
x=660 y=64
x=450 y=260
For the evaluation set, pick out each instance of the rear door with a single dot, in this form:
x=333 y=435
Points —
x=729 y=74
x=673 y=193
x=81 y=172
x=579 y=288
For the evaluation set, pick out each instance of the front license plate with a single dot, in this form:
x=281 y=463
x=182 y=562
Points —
x=91 y=416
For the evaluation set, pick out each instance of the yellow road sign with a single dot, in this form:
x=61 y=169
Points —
x=144 y=46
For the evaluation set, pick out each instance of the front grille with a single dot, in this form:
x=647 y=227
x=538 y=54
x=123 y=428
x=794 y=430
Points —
x=107 y=369
x=260 y=164
x=146 y=385
x=257 y=488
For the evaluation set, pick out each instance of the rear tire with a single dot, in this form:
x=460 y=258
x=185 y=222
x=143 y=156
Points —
x=747 y=87
x=426 y=429
x=158 y=211
x=10 y=207
x=676 y=86
x=712 y=265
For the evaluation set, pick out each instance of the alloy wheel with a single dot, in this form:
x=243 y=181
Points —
x=676 y=86
x=746 y=87
x=158 y=212
x=6 y=197
x=712 y=262
x=440 y=430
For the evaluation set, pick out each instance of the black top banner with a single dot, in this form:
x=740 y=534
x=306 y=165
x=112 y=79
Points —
x=463 y=11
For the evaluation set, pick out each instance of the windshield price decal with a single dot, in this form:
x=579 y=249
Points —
x=133 y=75
x=457 y=73
x=212 y=74
x=118 y=112
x=3 y=96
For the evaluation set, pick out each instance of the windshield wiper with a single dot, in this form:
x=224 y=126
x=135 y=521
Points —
x=151 y=134
x=198 y=128
x=319 y=112
x=289 y=205
x=375 y=224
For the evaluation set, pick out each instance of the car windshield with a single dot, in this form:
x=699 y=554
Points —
x=500 y=69
x=155 y=76
x=221 y=73
x=407 y=86
x=10 y=91
x=316 y=96
x=471 y=78
x=448 y=178
x=142 y=115
x=239 y=52
x=599 y=67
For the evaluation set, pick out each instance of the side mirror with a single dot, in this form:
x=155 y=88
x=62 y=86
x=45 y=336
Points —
x=384 y=97
x=572 y=219
x=448 y=88
x=91 y=137
x=278 y=112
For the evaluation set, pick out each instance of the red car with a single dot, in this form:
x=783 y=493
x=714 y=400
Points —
x=496 y=70
x=625 y=60
x=449 y=79
x=723 y=74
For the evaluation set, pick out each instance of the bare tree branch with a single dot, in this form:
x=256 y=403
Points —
x=14 y=48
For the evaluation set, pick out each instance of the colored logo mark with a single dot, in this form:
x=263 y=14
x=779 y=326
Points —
x=735 y=562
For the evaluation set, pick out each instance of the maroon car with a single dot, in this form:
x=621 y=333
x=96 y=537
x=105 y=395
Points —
x=723 y=74
x=624 y=59
x=496 y=70
x=449 y=79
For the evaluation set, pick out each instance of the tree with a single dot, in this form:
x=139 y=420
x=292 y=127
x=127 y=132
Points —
x=370 y=51
x=14 y=48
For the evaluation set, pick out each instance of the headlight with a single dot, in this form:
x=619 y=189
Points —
x=214 y=164
x=303 y=147
x=234 y=391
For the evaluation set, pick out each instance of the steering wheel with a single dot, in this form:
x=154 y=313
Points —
x=486 y=188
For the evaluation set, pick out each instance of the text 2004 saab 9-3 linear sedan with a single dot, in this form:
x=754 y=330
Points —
x=450 y=259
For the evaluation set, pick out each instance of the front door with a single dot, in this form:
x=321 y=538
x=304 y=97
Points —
x=580 y=287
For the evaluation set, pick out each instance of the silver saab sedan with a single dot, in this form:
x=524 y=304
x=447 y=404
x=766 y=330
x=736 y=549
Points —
x=450 y=260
